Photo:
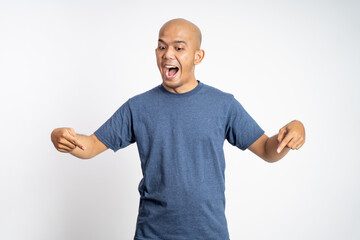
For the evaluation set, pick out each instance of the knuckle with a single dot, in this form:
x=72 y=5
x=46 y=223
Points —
x=60 y=149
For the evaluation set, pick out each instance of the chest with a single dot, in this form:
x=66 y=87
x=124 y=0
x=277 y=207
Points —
x=180 y=121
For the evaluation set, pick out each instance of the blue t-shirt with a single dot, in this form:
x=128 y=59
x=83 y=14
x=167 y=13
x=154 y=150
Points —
x=180 y=140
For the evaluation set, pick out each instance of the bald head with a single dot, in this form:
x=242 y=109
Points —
x=186 y=28
x=178 y=53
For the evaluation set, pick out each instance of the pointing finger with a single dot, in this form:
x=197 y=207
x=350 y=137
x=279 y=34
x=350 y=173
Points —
x=67 y=143
x=283 y=143
x=79 y=144
x=281 y=134
x=71 y=138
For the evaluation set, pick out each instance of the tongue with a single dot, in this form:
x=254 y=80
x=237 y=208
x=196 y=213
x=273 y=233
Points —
x=172 y=72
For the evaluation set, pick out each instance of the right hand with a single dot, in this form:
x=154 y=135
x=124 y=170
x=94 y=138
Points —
x=65 y=140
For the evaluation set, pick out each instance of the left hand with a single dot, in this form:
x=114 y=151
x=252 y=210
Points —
x=292 y=135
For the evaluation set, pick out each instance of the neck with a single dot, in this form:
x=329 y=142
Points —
x=186 y=87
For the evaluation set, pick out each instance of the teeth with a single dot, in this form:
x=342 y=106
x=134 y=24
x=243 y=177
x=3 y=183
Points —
x=167 y=66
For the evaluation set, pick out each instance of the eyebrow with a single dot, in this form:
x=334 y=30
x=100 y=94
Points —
x=176 y=41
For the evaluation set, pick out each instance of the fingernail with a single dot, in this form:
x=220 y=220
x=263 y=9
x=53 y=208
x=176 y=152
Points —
x=278 y=150
x=83 y=147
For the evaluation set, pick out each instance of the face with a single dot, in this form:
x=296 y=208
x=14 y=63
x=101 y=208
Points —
x=177 y=54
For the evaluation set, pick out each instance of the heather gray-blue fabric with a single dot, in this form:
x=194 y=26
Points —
x=180 y=141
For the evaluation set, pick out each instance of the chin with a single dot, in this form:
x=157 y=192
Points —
x=174 y=83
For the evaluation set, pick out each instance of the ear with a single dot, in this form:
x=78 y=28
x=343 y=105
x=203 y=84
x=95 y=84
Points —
x=199 y=56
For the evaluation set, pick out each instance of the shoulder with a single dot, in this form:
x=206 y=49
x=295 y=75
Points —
x=144 y=97
x=217 y=94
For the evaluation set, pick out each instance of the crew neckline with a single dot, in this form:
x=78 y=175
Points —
x=185 y=94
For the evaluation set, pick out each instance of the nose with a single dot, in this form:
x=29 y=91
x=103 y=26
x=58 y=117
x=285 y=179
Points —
x=168 y=54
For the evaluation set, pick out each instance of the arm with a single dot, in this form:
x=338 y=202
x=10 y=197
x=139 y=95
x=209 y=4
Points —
x=81 y=146
x=291 y=136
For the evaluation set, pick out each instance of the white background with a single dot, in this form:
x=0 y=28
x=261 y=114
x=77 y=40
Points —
x=73 y=63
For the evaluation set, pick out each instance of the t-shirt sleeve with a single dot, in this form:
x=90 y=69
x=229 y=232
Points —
x=241 y=128
x=117 y=132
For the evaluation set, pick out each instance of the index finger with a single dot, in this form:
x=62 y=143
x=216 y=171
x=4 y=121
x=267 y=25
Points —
x=75 y=141
x=281 y=135
x=283 y=143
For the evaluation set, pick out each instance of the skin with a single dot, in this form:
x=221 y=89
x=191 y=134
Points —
x=179 y=45
x=85 y=147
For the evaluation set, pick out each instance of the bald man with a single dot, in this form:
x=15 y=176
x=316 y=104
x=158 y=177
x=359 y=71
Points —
x=180 y=127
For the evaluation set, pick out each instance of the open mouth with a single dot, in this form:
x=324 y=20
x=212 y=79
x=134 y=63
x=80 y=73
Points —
x=170 y=71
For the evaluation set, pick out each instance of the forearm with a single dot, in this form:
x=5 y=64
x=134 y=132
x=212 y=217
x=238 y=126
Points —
x=291 y=136
x=67 y=141
x=271 y=146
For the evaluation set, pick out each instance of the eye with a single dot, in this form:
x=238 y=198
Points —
x=178 y=48
x=161 y=47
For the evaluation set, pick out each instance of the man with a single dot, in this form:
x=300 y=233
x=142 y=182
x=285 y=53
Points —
x=180 y=127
